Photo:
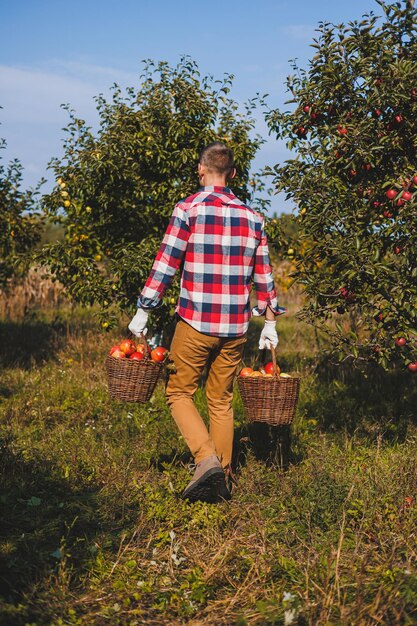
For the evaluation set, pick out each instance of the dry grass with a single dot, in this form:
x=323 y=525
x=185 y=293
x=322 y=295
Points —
x=95 y=533
x=35 y=291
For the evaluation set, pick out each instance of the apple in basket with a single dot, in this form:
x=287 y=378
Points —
x=117 y=353
x=141 y=348
x=127 y=346
x=269 y=368
x=246 y=371
x=159 y=354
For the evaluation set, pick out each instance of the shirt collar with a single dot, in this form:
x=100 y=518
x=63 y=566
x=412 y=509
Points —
x=216 y=189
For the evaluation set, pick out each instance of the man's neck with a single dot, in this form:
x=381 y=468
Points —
x=213 y=181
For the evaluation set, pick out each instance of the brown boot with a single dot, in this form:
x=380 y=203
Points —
x=208 y=483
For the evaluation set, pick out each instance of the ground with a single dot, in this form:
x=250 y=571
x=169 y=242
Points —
x=320 y=529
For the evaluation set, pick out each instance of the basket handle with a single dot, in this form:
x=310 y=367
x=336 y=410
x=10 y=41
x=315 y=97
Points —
x=142 y=339
x=274 y=360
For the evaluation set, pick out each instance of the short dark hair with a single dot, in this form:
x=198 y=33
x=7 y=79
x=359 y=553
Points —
x=218 y=158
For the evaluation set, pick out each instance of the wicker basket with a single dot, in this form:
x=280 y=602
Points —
x=132 y=381
x=270 y=400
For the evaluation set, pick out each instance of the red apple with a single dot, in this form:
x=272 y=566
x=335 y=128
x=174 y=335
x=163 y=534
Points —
x=127 y=346
x=118 y=354
x=349 y=296
x=377 y=112
x=387 y=214
x=412 y=366
x=407 y=195
x=306 y=108
x=400 y=202
x=246 y=371
x=158 y=354
x=136 y=356
x=367 y=167
x=140 y=347
x=301 y=132
x=400 y=341
x=398 y=119
x=269 y=368
x=414 y=180
x=391 y=194
x=113 y=349
x=342 y=130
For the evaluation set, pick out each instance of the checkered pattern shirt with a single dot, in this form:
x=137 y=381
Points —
x=221 y=244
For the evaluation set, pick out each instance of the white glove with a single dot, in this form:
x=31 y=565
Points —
x=268 y=336
x=138 y=324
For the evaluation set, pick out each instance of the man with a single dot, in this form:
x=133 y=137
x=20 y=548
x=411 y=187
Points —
x=221 y=245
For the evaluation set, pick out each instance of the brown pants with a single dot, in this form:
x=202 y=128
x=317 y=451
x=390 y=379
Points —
x=191 y=351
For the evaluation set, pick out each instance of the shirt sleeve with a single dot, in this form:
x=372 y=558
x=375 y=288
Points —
x=167 y=261
x=263 y=279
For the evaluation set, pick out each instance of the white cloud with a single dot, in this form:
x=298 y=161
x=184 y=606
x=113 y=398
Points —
x=98 y=75
x=35 y=94
x=32 y=118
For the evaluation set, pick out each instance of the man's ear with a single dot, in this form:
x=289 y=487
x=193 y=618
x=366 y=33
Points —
x=232 y=173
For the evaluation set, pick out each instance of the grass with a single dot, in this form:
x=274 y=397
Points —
x=320 y=530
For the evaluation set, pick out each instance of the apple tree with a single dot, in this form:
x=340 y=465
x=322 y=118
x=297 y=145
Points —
x=116 y=188
x=20 y=223
x=352 y=127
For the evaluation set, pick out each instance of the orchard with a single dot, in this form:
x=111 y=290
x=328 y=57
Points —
x=353 y=128
x=321 y=526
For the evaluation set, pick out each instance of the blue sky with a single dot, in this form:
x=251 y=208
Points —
x=54 y=52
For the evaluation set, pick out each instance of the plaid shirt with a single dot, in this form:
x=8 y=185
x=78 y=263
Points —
x=221 y=244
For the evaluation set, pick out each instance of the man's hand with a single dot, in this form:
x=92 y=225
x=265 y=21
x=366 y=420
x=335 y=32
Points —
x=138 y=324
x=269 y=337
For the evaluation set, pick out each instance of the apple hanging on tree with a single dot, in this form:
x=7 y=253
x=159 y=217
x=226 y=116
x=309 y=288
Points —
x=356 y=238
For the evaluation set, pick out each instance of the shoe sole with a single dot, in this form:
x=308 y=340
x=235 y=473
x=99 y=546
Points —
x=210 y=487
